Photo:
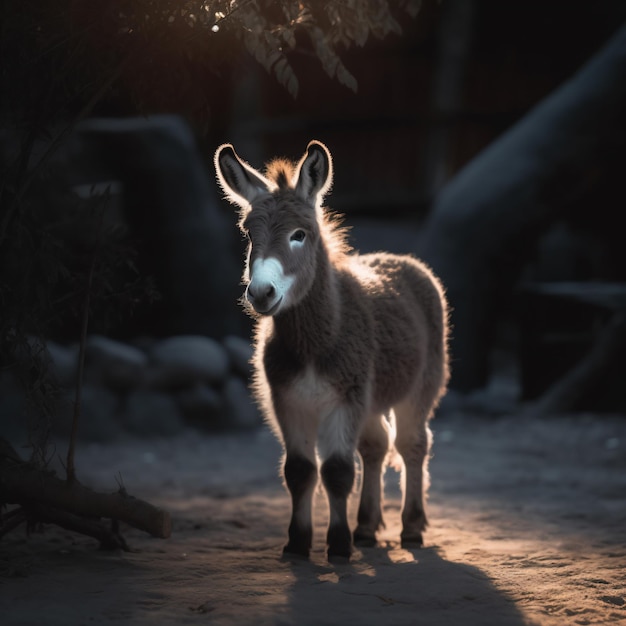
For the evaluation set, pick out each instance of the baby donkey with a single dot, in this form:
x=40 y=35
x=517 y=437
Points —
x=350 y=350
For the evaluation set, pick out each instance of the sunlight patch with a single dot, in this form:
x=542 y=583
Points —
x=400 y=555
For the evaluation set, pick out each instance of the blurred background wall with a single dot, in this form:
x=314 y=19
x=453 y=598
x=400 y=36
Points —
x=430 y=101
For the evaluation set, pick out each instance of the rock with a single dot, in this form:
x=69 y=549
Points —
x=171 y=202
x=242 y=411
x=98 y=419
x=144 y=343
x=240 y=352
x=151 y=413
x=202 y=407
x=113 y=364
x=182 y=361
x=63 y=363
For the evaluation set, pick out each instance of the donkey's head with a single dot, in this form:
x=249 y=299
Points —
x=281 y=215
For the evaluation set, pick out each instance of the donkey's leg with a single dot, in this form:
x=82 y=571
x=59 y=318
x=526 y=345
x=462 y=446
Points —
x=337 y=446
x=413 y=442
x=300 y=471
x=338 y=478
x=299 y=432
x=373 y=448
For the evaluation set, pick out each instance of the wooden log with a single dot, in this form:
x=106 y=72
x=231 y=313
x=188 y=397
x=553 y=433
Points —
x=109 y=537
x=29 y=486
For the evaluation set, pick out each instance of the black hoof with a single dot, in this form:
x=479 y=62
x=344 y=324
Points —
x=365 y=541
x=412 y=541
x=339 y=542
x=291 y=550
x=339 y=557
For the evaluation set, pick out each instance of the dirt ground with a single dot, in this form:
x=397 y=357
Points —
x=527 y=526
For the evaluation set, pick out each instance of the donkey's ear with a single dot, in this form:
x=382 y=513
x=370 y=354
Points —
x=240 y=182
x=314 y=174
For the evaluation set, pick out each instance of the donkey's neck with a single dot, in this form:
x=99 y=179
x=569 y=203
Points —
x=310 y=327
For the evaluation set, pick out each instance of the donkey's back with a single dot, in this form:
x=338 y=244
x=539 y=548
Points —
x=408 y=335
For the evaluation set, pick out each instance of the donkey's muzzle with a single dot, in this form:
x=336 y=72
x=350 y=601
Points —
x=263 y=298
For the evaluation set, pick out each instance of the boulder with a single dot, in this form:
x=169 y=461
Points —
x=183 y=361
x=113 y=364
x=149 y=413
x=242 y=411
x=240 y=352
x=187 y=242
x=202 y=407
x=63 y=362
x=98 y=419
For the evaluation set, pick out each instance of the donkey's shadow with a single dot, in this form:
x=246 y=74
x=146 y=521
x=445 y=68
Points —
x=389 y=585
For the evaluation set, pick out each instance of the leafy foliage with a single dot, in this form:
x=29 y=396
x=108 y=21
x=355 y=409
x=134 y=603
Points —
x=269 y=37
x=59 y=60
x=72 y=52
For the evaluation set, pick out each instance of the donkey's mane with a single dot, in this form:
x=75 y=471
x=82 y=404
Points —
x=282 y=173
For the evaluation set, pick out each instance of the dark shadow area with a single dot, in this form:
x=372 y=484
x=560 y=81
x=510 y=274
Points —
x=420 y=587
x=67 y=580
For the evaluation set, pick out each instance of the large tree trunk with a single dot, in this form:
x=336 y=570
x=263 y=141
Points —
x=454 y=39
x=484 y=221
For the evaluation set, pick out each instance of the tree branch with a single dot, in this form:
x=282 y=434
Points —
x=30 y=487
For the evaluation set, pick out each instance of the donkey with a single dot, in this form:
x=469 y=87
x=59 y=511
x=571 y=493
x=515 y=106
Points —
x=350 y=350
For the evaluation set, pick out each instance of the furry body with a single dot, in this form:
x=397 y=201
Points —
x=342 y=340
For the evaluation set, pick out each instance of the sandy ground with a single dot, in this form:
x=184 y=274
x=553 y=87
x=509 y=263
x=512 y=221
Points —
x=528 y=526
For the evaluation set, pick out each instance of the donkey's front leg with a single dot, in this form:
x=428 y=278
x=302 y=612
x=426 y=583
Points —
x=301 y=477
x=336 y=446
x=338 y=478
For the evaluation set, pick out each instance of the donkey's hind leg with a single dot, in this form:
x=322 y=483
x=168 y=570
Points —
x=373 y=448
x=413 y=442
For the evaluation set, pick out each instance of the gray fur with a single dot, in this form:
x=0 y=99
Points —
x=350 y=340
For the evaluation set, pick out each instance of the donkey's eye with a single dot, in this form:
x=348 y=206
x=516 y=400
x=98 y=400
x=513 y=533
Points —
x=298 y=235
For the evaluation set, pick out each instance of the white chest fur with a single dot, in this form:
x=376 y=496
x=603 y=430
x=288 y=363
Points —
x=309 y=412
x=313 y=394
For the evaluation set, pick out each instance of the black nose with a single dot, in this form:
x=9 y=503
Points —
x=261 y=296
x=264 y=292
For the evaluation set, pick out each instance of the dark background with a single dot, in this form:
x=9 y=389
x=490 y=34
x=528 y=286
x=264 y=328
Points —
x=429 y=100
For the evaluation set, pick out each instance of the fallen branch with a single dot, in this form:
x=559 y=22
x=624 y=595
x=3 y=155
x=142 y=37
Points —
x=109 y=537
x=38 y=491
